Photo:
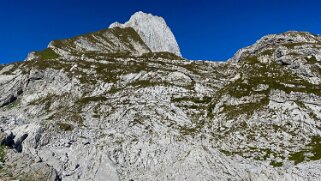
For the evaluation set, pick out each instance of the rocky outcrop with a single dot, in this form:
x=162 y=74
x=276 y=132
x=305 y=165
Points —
x=154 y=32
x=11 y=88
x=291 y=42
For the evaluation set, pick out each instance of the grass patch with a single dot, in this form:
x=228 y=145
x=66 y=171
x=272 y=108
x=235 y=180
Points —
x=86 y=100
x=192 y=130
x=127 y=35
x=276 y=164
x=164 y=55
x=312 y=60
x=268 y=52
x=297 y=157
x=47 y=54
x=46 y=102
x=261 y=154
x=313 y=148
x=315 y=145
x=293 y=45
x=70 y=114
x=2 y=153
x=148 y=83
x=301 y=104
x=202 y=100
x=46 y=64
x=65 y=126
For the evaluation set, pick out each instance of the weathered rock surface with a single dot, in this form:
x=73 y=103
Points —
x=154 y=32
x=93 y=116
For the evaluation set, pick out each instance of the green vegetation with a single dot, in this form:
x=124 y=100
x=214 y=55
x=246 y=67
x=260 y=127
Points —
x=293 y=45
x=46 y=64
x=164 y=55
x=136 y=121
x=109 y=72
x=126 y=35
x=227 y=153
x=2 y=153
x=276 y=164
x=313 y=148
x=144 y=83
x=254 y=73
x=261 y=155
x=85 y=100
x=14 y=104
x=46 y=102
x=65 y=126
x=47 y=54
x=192 y=66
x=297 y=157
x=202 y=100
x=149 y=83
x=312 y=60
x=71 y=116
x=294 y=54
x=263 y=152
x=268 y=52
x=248 y=109
x=274 y=77
x=314 y=117
x=60 y=43
x=68 y=114
x=199 y=124
x=301 y=104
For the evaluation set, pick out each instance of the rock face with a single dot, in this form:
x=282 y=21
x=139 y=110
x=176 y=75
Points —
x=75 y=112
x=154 y=32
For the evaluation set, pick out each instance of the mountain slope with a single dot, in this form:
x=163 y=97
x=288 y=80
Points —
x=90 y=115
x=109 y=42
x=273 y=102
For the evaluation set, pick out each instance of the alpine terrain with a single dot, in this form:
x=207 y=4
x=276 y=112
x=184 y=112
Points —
x=122 y=104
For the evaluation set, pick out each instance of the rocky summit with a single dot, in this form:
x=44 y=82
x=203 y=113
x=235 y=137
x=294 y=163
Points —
x=121 y=104
x=154 y=31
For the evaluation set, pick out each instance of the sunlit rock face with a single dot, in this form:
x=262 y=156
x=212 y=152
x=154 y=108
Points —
x=154 y=32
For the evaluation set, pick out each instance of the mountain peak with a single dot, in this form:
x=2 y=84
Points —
x=153 y=31
x=141 y=14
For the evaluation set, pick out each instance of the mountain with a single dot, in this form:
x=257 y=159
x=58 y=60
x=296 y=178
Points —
x=107 y=106
x=154 y=31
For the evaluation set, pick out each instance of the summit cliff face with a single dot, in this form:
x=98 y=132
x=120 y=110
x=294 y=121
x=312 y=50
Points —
x=154 y=31
x=117 y=105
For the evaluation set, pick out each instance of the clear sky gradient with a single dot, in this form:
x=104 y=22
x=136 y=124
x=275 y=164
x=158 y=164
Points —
x=204 y=29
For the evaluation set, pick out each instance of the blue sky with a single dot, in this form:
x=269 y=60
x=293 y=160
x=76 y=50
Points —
x=204 y=29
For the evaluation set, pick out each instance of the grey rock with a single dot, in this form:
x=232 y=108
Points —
x=36 y=75
x=92 y=117
x=154 y=31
